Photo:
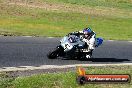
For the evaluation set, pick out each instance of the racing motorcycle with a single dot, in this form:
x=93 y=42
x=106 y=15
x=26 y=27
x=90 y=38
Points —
x=72 y=46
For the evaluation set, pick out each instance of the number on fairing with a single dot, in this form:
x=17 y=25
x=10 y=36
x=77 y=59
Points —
x=67 y=46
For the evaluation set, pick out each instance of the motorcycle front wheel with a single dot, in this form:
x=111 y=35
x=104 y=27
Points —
x=55 y=53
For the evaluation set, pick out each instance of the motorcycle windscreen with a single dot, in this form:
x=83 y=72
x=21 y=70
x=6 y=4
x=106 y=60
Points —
x=72 y=40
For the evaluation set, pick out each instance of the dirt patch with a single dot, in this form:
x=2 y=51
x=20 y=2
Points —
x=37 y=71
x=99 y=11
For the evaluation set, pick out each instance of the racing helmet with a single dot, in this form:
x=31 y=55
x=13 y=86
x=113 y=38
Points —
x=87 y=31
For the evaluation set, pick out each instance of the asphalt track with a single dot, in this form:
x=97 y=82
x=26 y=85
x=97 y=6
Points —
x=31 y=51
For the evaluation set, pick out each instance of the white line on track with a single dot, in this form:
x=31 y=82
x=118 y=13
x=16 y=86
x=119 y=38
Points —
x=130 y=41
x=27 y=36
x=111 y=40
x=51 y=37
x=23 y=68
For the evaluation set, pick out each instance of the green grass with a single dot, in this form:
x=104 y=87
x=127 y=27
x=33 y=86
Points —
x=18 y=20
x=67 y=79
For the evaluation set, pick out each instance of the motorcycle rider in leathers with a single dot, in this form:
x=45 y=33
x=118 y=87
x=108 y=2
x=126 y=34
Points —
x=88 y=36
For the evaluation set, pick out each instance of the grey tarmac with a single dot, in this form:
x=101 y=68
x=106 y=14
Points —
x=23 y=52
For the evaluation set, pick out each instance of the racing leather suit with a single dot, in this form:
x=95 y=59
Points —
x=90 y=40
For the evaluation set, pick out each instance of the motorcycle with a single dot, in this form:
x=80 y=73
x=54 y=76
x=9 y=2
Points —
x=72 y=46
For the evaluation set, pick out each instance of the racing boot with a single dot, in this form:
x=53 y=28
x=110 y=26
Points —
x=89 y=54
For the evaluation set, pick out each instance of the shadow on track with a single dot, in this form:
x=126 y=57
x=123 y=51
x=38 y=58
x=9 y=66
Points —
x=102 y=60
x=108 y=60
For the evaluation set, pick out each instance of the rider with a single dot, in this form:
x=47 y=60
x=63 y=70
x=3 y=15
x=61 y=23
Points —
x=88 y=36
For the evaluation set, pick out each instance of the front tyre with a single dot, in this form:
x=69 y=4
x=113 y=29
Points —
x=55 y=53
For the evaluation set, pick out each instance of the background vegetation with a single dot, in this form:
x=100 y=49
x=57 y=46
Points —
x=110 y=19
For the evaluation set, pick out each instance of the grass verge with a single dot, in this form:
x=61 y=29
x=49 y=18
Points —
x=66 y=80
x=20 y=20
